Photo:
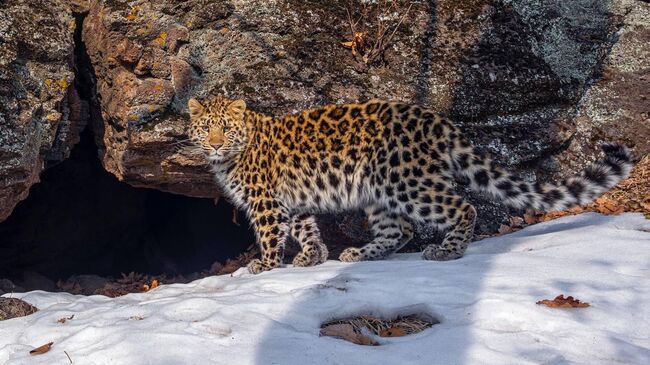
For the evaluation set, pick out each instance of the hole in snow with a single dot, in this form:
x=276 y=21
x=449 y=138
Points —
x=361 y=329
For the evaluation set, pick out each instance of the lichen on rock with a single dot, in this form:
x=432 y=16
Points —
x=38 y=119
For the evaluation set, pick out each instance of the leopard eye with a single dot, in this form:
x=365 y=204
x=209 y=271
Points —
x=226 y=129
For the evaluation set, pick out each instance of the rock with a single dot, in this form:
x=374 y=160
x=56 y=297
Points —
x=6 y=286
x=512 y=74
x=40 y=112
x=88 y=284
x=13 y=308
x=31 y=280
x=617 y=106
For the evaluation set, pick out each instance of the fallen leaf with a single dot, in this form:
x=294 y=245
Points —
x=154 y=284
x=356 y=44
x=393 y=332
x=561 y=302
x=64 y=319
x=41 y=349
x=346 y=332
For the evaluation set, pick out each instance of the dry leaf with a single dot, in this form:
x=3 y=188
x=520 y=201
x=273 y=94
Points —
x=355 y=44
x=42 y=349
x=346 y=332
x=153 y=285
x=393 y=332
x=64 y=319
x=561 y=302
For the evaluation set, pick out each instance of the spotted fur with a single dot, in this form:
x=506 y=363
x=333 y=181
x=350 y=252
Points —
x=396 y=161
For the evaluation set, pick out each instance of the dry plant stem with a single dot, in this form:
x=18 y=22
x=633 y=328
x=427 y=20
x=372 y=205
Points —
x=380 y=41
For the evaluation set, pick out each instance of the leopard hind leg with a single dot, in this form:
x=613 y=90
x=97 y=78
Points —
x=391 y=232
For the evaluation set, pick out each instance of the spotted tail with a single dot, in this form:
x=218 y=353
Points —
x=596 y=179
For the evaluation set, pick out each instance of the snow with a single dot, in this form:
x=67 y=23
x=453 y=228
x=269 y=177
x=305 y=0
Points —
x=485 y=301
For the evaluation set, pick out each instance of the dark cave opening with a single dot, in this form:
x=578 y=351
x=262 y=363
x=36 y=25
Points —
x=81 y=220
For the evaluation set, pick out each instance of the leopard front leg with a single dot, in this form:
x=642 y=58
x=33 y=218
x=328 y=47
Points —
x=305 y=230
x=271 y=223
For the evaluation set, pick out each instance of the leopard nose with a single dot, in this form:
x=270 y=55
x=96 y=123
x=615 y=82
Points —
x=216 y=146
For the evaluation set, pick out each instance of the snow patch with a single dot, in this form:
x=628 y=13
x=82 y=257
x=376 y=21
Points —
x=485 y=302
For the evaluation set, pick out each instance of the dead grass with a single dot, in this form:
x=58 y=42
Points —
x=408 y=324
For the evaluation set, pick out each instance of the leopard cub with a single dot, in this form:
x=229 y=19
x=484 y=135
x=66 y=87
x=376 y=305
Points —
x=395 y=161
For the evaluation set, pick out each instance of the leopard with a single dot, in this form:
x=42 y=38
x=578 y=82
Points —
x=398 y=162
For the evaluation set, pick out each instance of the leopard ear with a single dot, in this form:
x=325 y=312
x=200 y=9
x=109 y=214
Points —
x=196 y=109
x=237 y=108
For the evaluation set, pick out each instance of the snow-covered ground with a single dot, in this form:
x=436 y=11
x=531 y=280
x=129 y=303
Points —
x=485 y=301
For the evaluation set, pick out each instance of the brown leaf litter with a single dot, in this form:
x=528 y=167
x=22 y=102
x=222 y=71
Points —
x=561 y=302
x=13 y=307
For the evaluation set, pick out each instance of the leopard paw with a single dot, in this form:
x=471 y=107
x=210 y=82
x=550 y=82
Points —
x=351 y=254
x=303 y=259
x=436 y=253
x=256 y=266
x=313 y=256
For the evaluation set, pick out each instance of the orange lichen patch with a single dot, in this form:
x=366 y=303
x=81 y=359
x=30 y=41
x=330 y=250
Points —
x=63 y=83
x=160 y=40
x=57 y=85
x=133 y=13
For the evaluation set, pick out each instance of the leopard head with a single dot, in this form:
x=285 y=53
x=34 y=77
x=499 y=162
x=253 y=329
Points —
x=217 y=127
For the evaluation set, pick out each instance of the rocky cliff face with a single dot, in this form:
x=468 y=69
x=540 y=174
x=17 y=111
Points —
x=40 y=112
x=537 y=84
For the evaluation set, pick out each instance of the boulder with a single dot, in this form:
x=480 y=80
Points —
x=41 y=113
x=516 y=75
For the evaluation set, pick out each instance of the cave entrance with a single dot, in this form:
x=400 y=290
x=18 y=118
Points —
x=81 y=220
